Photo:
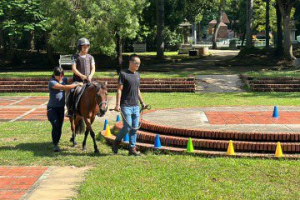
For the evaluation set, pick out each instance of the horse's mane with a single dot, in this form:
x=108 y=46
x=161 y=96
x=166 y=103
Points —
x=99 y=86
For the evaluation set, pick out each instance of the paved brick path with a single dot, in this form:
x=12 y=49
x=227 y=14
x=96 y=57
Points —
x=23 y=108
x=40 y=183
x=262 y=117
x=26 y=108
x=16 y=181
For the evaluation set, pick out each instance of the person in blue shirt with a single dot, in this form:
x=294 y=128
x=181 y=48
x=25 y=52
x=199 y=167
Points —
x=56 y=105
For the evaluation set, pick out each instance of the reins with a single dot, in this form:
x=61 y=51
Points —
x=147 y=107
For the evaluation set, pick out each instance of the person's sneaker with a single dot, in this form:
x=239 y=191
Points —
x=133 y=152
x=56 y=148
x=116 y=146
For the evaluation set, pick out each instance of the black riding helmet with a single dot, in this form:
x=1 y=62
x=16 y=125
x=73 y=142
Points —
x=81 y=42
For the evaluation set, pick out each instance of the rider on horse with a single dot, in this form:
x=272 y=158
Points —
x=83 y=67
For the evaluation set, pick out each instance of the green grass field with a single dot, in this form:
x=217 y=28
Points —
x=274 y=74
x=107 y=74
x=159 y=176
x=173 y=100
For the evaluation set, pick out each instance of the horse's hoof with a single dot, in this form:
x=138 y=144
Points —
x=83 y=148
x=97 y=151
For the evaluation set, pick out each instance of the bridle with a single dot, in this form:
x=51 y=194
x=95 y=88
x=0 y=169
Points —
x=102 y=102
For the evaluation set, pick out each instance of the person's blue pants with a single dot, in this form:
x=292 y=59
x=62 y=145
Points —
x=132 y=115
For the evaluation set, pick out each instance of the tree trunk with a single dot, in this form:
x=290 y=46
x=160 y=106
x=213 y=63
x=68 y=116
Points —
x=2 y=41
x=49 y=48
x=279 y=45
x=31 y=41
x=285 y=9
x=243 y=40
x=217 y=27
x=267 y=23
x=119 y=47
x=249 y=23
x=288 y=48
x=160 y=20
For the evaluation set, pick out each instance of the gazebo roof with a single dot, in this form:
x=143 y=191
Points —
x=225 y=20
x=213 y=22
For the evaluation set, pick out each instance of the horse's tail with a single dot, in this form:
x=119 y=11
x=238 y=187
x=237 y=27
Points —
x=80 y=126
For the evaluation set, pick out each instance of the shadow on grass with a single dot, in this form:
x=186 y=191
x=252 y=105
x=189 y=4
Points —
x=45 y=149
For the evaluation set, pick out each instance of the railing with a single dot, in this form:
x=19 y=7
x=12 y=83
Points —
x=225 y=43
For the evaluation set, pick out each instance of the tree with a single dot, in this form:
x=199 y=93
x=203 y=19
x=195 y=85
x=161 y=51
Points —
x=20 y=20
x=107 y=23
x=267 y=23
x=285 y=7
x=249 y=23
x=279 y=45
x=160 y=17
x=219 y=20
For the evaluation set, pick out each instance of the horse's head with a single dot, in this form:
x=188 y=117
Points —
x=101 y=98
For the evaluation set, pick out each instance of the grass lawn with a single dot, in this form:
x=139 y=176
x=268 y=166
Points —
x=151 y=176
x=274 y=74
x=159 y=176
x=175 y=100
x=106 y=74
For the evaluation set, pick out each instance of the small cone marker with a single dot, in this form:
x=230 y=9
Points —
x=107 y=131
x=275 y=112
x=190 y=147
x=105 y=124
x=278 y=152
x=126 y=138
x=118 y=118
x=157 y=143
x=230 y=149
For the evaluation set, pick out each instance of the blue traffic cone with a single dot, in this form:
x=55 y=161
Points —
x=105 y=124
x=157 y=143
x=118 y=118
x=275 y=112
x=126 y=138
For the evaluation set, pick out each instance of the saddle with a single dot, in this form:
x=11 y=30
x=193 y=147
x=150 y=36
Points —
x=78 y=93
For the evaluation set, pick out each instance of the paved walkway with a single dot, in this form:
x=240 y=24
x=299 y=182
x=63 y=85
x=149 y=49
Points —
x=250 y=119
x=30 y=109
x=39 y=183
x=23 y=108
x=219 y=83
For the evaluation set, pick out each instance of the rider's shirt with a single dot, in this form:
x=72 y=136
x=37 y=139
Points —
x=56 y=97
x=131 y=84
x=83 y=65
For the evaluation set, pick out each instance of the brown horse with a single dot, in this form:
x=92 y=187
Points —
x=93 y=102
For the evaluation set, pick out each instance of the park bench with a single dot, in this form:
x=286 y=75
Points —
x=139 y=47
x=65 y=60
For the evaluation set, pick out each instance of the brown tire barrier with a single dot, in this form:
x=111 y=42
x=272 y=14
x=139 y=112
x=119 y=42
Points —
x=213 y=144
x=178 y=150
x=221 y=135
x=281 y=84
x=147 y=85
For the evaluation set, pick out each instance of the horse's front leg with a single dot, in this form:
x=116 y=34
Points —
x=84 y=140
x=89 y=127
